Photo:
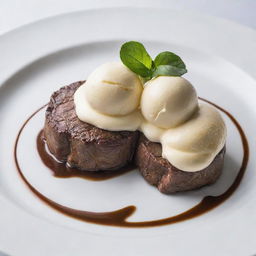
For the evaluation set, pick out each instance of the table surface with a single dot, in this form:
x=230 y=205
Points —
x=15 y=13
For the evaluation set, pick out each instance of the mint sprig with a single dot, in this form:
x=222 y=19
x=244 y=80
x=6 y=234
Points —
x=136 y=58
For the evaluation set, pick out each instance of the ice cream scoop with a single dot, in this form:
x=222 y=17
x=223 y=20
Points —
x=194 y=144
x=113 y=89
x=168 y=101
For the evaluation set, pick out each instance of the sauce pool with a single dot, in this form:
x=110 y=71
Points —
x=61 y=170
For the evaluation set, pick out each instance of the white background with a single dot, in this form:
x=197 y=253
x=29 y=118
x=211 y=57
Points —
x=14 y=13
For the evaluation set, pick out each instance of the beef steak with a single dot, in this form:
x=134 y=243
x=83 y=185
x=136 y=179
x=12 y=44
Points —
x=80 y=144
x=159 y=172
x=89 y=148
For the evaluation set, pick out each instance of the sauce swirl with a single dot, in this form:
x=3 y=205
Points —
x=119 y=217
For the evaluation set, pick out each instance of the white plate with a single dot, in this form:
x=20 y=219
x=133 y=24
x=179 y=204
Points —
x=37 y=59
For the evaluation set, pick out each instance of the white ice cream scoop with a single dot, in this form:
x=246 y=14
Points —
x=113 y=89
x=168 y=101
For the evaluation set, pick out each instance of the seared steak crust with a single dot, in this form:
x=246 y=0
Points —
x=168 y=179
x=80 y=144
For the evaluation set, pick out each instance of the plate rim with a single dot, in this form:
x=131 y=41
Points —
x=41 y=22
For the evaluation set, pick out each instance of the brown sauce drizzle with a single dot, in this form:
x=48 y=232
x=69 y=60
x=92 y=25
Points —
x=62 y=170
x=118 y=218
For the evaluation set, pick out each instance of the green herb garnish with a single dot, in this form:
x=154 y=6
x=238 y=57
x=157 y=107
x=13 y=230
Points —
x=136 y=58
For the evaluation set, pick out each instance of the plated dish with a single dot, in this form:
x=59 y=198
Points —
x=139 y=113
x=94 y=125
x=223 y=81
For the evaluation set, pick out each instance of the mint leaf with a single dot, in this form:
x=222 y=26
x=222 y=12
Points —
x=169 y=64
x=169 y=58
x=135 y=57
x=168 y=70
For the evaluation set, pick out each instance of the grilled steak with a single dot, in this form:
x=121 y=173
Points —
x=89 y=148
x=159 y=172
x=80 y=144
